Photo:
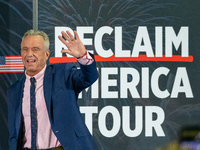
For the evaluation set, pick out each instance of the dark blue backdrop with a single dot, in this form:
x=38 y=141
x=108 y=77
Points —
x=16 y=18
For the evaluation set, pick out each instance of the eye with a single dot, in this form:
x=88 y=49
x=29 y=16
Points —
x=24 y=49
x=35 y=49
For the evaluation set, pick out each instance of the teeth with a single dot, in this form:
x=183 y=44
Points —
x=30 y=60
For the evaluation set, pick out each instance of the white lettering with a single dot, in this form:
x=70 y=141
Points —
x=182 y=38
x=142 y=37
x=142 y=42
x=129 y=79
x=155 y=82
x=89 y=111
x=126 y=121
x=151 y=123
x=98 y=41
x=106 y=83
x=181 y=77
x=118 y=44
x=109 y=120
x=116 y=121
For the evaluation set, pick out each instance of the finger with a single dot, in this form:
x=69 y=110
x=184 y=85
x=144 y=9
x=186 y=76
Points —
x=76 y=35
x=70 y=35
x=66 y=51
x=63 y=40
x=66 y=36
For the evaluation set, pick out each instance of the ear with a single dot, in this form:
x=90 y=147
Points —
x=47 y=54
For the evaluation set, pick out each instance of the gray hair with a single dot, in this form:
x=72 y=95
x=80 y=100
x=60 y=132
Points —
x=41 y=33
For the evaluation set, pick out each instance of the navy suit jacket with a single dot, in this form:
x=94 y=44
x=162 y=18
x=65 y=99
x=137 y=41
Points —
x=62 y=84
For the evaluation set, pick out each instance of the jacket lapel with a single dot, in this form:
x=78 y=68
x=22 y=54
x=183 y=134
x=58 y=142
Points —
x=47 y=86
x=20 y=90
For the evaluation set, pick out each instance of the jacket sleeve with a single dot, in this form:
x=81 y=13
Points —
x=83 y=77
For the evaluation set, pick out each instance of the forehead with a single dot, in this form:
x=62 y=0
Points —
x=33 y=41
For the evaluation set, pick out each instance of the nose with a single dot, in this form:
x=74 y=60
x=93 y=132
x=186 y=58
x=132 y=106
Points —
x=30 y=53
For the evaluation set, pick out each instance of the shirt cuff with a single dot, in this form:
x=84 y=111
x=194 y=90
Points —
x=86 y=60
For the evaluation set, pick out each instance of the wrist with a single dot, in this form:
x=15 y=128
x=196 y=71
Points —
x=82 y=56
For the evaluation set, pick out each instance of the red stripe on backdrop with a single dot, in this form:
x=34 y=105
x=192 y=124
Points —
x=174 y=58
x=15 y=71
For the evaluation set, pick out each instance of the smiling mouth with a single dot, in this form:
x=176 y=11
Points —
x=31 y=61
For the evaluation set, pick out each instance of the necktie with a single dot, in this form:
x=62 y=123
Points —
x=33 y=114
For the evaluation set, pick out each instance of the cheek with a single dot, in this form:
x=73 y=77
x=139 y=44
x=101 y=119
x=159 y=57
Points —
x=42 y=60
x=23 y=58
x=22 y=55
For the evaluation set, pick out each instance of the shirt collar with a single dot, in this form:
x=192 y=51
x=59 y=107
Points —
x=38 y=75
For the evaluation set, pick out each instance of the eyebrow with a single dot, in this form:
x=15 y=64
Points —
x=35 y=48
x=24 y=47
x=31 y=48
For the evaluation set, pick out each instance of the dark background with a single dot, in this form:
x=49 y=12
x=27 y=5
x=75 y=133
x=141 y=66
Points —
x=16 y=18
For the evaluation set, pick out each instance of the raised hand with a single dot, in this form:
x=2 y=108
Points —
x=74 y=44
